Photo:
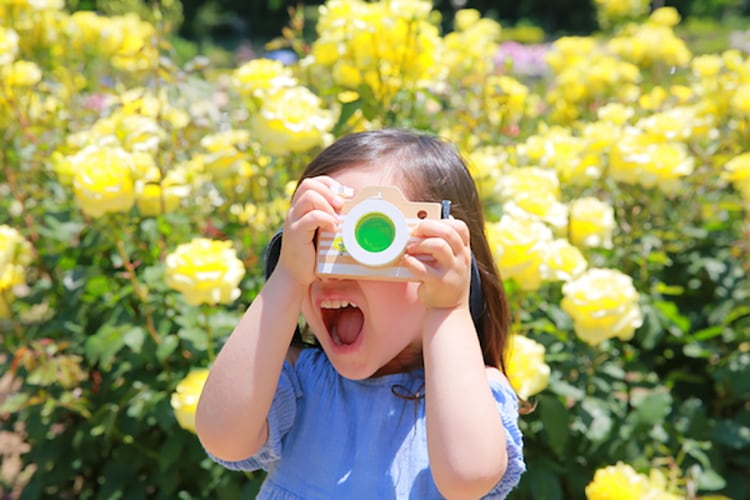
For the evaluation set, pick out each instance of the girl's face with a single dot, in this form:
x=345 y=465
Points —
x=366 y=327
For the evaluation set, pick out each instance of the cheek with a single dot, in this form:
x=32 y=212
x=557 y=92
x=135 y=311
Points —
x=396 y=300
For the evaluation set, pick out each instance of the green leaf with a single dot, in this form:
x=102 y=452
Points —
x=555 y=418
x=14 y=403
x=710 y=480
x=195 y=335
x=670 y=312
x=731 y=434
x=103 y=346
x=596 y=420
x=167 y=346
x=653 y=408
x=134 y=338
x=543 y=482
x=565 y=389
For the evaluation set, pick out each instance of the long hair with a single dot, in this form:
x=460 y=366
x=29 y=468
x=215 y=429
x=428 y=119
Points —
x=432 y=170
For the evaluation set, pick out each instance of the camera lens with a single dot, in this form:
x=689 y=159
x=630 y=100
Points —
x=375 y=232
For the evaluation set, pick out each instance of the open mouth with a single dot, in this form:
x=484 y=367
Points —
x=343 y=321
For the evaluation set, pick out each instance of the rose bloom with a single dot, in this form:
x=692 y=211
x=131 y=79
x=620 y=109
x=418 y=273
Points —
x=226 y=151
x=617 y=482
x=603 y=304
x=185 y=398
x=292 y=120
x=563 y=262
x=533 y=191
x=21 y=74
x=103 y=181
x=525 y=366
x=738 y=172
x=591 y=223
x=640 y=159
x=519 y=245
x=622 y=482
x=665 y=16
x=740 y=101
x=258 y=76
x=159 y=198
x=205 y=271
x=8 y=45
x=486 y=165
x=15 y=255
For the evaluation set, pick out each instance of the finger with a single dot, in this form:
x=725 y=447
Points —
x=309 y=201
x=329 y=188
x=454 y=232
x=437 y=248
x=417 y=265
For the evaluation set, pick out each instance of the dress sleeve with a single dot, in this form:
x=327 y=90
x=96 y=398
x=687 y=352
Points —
x=280 y=420
x=507 y=405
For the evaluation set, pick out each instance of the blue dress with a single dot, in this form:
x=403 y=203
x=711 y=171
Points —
x=331 y=437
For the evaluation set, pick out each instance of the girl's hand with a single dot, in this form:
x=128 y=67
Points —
x=315 y=205
x=441 y=260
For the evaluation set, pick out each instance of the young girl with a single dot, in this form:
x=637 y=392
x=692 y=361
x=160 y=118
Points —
x=402 y=397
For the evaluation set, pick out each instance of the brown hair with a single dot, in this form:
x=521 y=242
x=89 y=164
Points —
x=432 y=170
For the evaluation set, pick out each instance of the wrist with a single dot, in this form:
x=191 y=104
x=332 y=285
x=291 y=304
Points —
x=287 y=282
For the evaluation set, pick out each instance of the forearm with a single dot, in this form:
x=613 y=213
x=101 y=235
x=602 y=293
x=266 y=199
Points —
x=465 y=434
x=234 y=404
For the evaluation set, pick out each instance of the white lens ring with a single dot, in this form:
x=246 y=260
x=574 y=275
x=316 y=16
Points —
x=349 y=227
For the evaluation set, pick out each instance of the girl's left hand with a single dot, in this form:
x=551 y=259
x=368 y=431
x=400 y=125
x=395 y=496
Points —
x=441 y=260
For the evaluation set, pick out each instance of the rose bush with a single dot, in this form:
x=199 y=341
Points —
x=138 y=196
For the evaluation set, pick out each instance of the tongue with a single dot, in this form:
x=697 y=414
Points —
x=348 y=325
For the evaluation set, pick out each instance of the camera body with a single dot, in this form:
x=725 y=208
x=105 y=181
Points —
x=370 y=243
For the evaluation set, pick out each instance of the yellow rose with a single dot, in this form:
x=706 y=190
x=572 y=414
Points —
x=258 y=76
x=22 y=74
x=603 y=304
x=466 y=18
x=205 y=271
x=185 y=398
x=134 y=46
x=591 y=223
x=706 y=66
x=103 y=181
x=616 y=113
x=534 y=191
x=138 y=132
x=292 y=120
x=665 y=16
x=622 y=482
x=642 y=159
x=738 y=172
x=159 y=198
x=740 y=101
x=563 y=262
x=8 y=45
x=617 y=482
x=486 y=165
x=520 y=247
x=525 y=366
x=226 y=151
x=15 y=255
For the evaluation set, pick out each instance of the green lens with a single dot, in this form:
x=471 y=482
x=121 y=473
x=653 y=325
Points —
x=375 y=232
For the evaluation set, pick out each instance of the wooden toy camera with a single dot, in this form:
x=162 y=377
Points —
x=376 y=228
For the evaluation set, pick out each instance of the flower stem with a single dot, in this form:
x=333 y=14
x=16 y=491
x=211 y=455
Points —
x=210 y=336
x=140 y=292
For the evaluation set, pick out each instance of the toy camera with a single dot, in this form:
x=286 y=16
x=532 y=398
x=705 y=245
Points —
x=376 y=228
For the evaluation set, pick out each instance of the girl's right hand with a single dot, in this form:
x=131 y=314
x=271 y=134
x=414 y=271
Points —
x=315 y=205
